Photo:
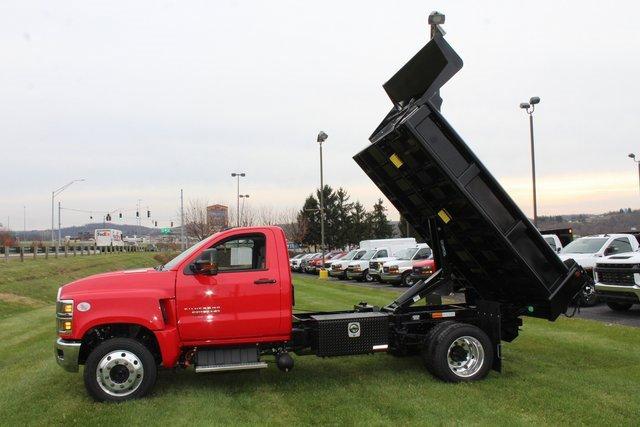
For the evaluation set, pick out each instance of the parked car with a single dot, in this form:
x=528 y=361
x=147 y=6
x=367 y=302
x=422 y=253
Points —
x=314 y=266
x=398 y=271
x=360 y=269
x=339 y=268
x=553 y=241
x=294 y=260
x=305 y=261
x=617 y=280
x=297 y=263
x=337 y=256
x=311 y=263
x=588 y=250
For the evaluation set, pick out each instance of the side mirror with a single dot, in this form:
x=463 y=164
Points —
x=204 y=267
x=610 y=250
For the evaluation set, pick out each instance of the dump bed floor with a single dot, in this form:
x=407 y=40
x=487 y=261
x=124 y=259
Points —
x=425 y=169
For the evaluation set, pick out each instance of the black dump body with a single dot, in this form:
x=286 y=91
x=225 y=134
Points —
x=427 y=171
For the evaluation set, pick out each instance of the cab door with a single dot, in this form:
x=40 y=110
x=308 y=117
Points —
x=242 y=301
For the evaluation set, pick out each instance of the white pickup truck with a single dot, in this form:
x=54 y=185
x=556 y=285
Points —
x=553 y=241
x=398 y=271
x=589 y=250
x=339 y=268
x=618 y=280
x=359 y=269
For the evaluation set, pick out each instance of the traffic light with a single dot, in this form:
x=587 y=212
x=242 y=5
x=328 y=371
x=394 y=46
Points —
x=120 y=215
x=148 y=214
x=137 y=214
x=155 y=223
x=172 y=223
x=108 y=218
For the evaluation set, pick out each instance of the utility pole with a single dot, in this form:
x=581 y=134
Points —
x=182 y=243
x=243 y=197
x=139 y=216
x=238 y=175
x=59 y=236
x=529 y=108
x=321 y=138
x=633 y=157
x=54 y=193
x=24 y=220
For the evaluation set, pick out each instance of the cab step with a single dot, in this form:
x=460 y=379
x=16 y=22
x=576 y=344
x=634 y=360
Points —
x=228 y=359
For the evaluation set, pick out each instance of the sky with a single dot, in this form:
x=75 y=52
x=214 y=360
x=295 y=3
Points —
x=144 y=98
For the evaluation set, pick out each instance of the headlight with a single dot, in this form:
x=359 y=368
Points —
x=357 y=268
x=393 y=268
x=64 y=316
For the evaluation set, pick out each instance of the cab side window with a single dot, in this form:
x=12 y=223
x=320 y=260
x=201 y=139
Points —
x=423 y=253
x=239 y=253
x=620 y=245
x=382 y=253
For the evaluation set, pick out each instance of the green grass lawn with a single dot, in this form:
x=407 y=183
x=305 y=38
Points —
x=569 y=372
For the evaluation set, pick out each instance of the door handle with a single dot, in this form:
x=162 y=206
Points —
x=265 y=281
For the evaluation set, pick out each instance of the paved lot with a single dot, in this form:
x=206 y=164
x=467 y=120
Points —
x=600 y=312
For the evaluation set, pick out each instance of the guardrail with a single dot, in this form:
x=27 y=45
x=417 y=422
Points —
x=22 y=252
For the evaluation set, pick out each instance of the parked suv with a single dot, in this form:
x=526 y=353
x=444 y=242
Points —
x=398 y=272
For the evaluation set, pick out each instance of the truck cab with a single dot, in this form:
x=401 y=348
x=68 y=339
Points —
x=553 y=241
x=398 y=271
x=232 y=289
x=617 y=280
x=360 y=269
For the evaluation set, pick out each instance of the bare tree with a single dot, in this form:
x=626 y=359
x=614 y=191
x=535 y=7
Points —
x=196 y=224
x=247 y=216
x=295 y=225
x=268 y=215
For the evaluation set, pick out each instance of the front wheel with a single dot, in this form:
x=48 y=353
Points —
x=368 y=277
x=457 y=352
x=407 y=280
x=619 y=306
x=119 y=369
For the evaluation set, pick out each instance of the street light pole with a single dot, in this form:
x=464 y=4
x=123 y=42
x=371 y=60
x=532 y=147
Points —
x=633 y=157
x=182 y=245
x=238 y=175
x=529 y=108
x=54 y=193
x=321 y=138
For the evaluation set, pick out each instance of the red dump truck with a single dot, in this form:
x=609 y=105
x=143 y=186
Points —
x=228 y=302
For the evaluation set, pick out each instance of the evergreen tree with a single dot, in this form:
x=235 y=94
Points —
x=378 y=223
x=343 y=218
x=359 y=228
x=311 y=215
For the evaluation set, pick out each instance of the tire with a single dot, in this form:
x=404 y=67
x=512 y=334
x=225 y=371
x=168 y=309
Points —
x=368 y=277
x=109 y=355
x=407 y=281
x=619 y=306
x=588 y=297
x=458 y=352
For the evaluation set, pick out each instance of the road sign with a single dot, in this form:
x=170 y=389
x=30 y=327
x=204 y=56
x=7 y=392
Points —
x=165 y=230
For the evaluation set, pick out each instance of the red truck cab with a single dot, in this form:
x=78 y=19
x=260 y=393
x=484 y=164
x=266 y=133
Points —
x=231 y=289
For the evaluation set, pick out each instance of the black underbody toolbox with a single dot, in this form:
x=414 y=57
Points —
x=349 y=333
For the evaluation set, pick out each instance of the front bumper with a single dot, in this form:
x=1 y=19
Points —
x=351 y=275
x=67 y=353
x=617 y=293
x=337 y=273
x=391 y=277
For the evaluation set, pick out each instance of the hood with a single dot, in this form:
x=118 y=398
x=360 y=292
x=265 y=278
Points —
x=583 y=260
x=626 y=258
x=424 y=263
x=397 y=262
x=161 y=283
x=383 y=259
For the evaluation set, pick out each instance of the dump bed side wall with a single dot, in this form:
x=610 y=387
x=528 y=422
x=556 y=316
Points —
x=425 y=169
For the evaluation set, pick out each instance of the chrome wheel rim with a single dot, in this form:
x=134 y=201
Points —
x=465 y=356
x=120 y=373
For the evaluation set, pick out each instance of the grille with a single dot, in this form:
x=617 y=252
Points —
x=385 y=269
x=624 y=278
x=374 y=265
x=335 y=267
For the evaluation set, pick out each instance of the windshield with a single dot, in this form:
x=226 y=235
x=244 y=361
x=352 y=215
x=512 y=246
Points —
x=407 y=254
x=184 y=255
x=359 y=255
x=349 y=256
x=585 y=246
x=368 y=255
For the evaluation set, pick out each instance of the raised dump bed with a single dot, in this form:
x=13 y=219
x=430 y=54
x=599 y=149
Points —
x=426 y=170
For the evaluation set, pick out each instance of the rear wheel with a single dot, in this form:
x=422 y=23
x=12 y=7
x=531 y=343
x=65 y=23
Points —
x=119 y=369
x=458 y=352
x=619 y=306
x=368 y=277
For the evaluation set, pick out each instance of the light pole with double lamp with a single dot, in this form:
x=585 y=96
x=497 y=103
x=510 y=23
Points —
x=322 y=137
x=238 y=175
x=54 y=193
x=529 y=108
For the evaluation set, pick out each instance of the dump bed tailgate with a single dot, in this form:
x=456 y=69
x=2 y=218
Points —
x=425 y=169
